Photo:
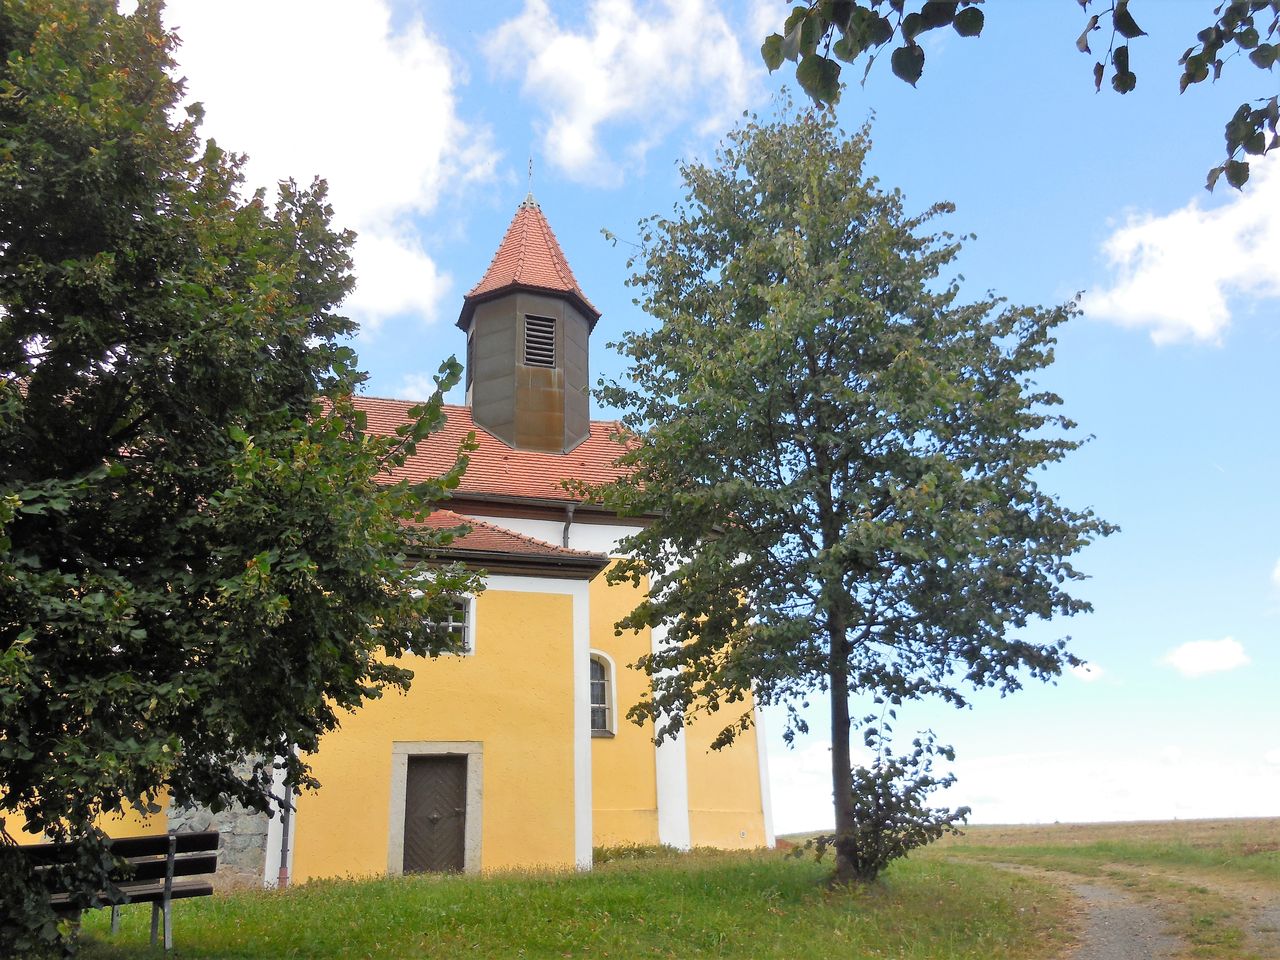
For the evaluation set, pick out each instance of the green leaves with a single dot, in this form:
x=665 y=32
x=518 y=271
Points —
x=819 y=33
x=771 y=52
x=1082 y=41
x=1123 y=21
x=969 y=22
x=908 y=63
x=820 y=78
x=1123 y=79
x=1264 y=57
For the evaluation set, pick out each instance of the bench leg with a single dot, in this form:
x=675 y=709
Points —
x=115 y=918
x=168 y=927
x=155 y=922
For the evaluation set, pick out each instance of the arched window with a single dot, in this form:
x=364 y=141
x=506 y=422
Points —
x=601 y=695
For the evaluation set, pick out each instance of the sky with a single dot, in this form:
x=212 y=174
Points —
x=425 y=117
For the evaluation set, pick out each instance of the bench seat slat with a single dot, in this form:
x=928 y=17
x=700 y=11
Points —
x=148 y=892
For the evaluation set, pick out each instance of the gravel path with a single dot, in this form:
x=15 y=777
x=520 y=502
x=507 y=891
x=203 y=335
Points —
x=1119 y=927
x=1114 y=925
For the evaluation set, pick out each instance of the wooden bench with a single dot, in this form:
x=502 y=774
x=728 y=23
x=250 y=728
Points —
x=157 y=870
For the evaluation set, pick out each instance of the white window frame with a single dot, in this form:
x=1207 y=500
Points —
x=611 y=694
x=469 y=626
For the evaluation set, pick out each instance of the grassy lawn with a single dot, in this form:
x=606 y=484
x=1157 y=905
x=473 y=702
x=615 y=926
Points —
x=1211 y=879
x=760 y=906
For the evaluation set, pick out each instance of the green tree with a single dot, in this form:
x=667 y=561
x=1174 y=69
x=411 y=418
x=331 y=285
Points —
x=821 y=34
x=837 y=457
x=199 y=565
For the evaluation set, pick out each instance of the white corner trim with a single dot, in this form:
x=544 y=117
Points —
x=271 y=858
x=578 y=591
x=470 y=634
x=612 y=666
x=401 y=751
x=672 y=774
x=766 y=797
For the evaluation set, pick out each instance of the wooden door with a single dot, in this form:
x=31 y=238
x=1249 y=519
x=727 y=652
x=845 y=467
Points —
x=435 y=814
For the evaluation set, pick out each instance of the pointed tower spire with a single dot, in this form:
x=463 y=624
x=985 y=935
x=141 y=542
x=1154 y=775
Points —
x=528 y=325
x=529 y=258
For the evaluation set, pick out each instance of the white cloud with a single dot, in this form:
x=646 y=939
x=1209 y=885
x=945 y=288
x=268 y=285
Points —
x=1074 y=786
x=1088 y=672
x=647 y=67
x=332 y=88
x=1176 y=275
x=1199 y=657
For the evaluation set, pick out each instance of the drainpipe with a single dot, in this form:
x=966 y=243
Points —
x=282 y=878
x=568 y=522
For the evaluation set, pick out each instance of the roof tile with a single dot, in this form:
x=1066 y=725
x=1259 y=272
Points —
x=496 y=469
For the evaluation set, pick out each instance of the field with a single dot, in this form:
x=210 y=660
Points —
x=996 y=892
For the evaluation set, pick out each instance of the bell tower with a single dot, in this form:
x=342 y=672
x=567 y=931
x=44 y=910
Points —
x=527 y=324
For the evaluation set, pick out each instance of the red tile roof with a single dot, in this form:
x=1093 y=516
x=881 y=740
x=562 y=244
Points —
x=490 y=538
x=529 y=258
x=497 y=470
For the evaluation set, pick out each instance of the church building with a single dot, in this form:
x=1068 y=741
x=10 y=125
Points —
x=518 y=753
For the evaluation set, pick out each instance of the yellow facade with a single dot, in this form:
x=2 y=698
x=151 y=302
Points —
x=129 y=822
x=725 y=802
x=623 y=776
x=514 y=695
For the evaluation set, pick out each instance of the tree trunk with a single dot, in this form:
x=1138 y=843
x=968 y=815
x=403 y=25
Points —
x=841 y=761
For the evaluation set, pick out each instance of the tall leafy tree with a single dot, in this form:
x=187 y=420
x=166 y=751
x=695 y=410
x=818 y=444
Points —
x=200 y=566
x=838 y=457
x=819 y=36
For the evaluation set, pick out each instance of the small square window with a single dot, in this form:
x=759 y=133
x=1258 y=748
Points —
x=459 y=625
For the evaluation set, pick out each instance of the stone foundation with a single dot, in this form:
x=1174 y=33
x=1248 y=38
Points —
x=242 y=845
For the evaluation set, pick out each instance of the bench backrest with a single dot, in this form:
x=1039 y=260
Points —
x=147 y=858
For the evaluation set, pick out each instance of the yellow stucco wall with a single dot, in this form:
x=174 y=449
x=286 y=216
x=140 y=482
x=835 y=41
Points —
x=623 y=775
x=130 y=822
x=514 y=695
x=725 y=807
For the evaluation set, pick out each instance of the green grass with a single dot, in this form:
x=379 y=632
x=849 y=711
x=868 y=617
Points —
x=701 y=905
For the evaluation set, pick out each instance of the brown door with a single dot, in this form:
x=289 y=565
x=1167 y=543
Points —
x=435 y=813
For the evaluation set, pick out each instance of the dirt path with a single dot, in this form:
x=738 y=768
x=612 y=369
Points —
x=1113 y=925
x=1120 y=927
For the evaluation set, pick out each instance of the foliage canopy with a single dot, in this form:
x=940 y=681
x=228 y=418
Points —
x=837 y=456
x=200 y=566
x=820 y=35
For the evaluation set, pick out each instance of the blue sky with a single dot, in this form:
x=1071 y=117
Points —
x=424 y=115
